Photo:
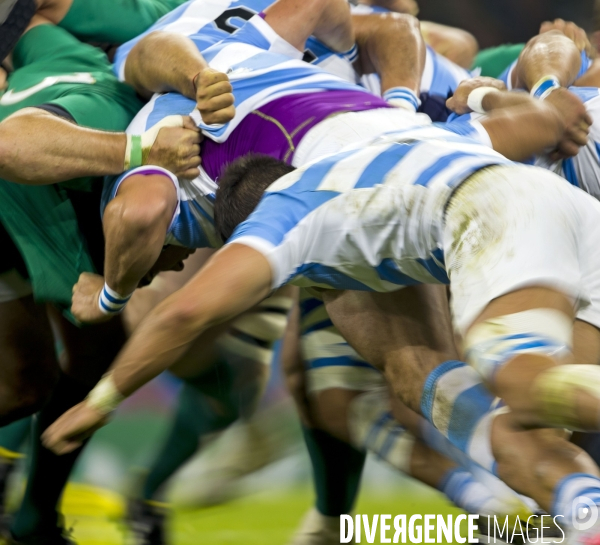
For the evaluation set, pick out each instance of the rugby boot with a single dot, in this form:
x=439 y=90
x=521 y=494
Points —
x=147 y=522
x=317 y=529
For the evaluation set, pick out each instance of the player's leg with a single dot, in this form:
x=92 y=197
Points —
x=516 y=270
x=224 y=374
x=408 y=334
x=87 y=354
x=336 y=465
x=29 y=366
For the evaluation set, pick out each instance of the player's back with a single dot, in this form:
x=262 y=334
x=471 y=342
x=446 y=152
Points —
x=374 y=212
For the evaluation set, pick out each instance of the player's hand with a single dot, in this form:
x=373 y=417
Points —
x=214 y=96
x=576 y=34
x=576 y=122
x=458 y=102
x=84 y=305
x=177 y=149
x=72 y=428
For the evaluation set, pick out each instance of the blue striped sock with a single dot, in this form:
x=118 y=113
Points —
x=577 y=501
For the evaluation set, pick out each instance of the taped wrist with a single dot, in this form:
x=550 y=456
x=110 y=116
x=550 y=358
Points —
x=475 y=99
x=111 y=302
x=105 y=397
x=138 y=147
x=544 y=87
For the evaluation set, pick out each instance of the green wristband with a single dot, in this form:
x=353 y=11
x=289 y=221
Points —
x=135 y=159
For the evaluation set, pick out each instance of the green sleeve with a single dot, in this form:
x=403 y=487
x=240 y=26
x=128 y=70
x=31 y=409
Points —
x=495 y=60
x=115 y=21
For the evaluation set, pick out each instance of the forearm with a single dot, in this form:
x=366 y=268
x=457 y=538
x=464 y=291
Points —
x=549 y=54
x=380 y=37
x=334 y=26
x=159 y=342
x=163 y=62
x=327 y=20
x=234 y=280
x=39 y=148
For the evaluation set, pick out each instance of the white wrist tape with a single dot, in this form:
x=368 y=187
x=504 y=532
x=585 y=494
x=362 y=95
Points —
x=139 y=146
x=111 y=302
x=475 y=99
x=105 y=397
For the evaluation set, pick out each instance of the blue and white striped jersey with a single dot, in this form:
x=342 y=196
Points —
x=207 y=22
x=259 y=73
x=583 y=170
x=369 y=218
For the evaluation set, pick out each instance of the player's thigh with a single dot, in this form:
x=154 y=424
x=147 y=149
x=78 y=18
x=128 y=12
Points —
x=405 y=334
x=87 y=351
x=29 y=366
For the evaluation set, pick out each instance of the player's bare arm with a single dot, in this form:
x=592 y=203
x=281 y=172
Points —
x=29 y=156
x=135 y=224
x=234 y=280
x=379 y=38
x=548 y=54
x=296 y=20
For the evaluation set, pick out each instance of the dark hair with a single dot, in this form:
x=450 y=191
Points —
x=241 y=187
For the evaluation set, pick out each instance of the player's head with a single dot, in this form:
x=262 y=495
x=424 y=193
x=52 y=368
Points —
x=242 y=186
x=15 y=16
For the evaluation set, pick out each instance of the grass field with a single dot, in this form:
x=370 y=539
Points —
x=266 y=518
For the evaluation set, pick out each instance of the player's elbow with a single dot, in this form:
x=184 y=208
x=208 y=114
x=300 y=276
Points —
x=139 y=218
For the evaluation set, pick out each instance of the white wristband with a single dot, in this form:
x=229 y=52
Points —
x=111 y=302
x=476 y=98
x=105 y=397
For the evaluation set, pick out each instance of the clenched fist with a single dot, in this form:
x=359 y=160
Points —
x=214 y=97
x=458 y=102
x=73 y=428
x=177 y=149
x=86 y=294
x=576 y=122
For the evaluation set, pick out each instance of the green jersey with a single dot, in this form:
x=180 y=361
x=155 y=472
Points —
x=54 y=68
x=114 y=21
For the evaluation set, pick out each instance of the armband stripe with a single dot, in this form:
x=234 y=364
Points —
x=544 y=87
x=352 y=54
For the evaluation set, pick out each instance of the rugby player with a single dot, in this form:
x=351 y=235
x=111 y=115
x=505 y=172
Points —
x=43 y=53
